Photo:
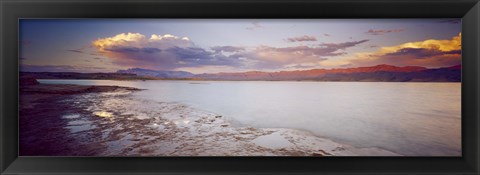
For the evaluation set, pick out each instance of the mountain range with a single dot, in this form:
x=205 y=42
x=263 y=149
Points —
x=157 y=74
x=381 y=73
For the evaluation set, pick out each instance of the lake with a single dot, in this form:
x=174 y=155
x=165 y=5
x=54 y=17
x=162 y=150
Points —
x=412 y=119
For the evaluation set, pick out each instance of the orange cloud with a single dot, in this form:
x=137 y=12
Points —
x=139 y=41
x=442 y=45
x=427 y=53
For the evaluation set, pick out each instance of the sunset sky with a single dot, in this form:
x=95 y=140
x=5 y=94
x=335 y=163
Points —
x=233 y=45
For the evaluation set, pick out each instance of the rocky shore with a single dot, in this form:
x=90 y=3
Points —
x=73 y=120
x=41 y=126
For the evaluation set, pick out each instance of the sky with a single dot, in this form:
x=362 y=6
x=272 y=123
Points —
x=235 y=45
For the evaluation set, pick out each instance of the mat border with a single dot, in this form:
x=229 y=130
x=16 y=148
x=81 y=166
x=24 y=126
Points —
x=12 y=10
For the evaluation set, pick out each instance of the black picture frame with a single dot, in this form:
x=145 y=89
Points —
x=12 y=10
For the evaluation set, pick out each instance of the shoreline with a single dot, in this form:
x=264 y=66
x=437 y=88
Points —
x=108 y=121
x=260 y=80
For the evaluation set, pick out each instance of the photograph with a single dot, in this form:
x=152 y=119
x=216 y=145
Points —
x=169 y=87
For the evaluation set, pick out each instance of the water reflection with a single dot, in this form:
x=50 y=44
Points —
x=103 y=114
x=76 y=123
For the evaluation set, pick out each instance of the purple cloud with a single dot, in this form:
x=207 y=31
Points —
x=167 y=52
x=342 y=46
x=279 y=57
x=219 y=49
x=127 y=49
x=75 y=50
x=383 y=31
x=302 y=38
x=195 y=56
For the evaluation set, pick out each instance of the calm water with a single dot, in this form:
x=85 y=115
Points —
x=414 y=119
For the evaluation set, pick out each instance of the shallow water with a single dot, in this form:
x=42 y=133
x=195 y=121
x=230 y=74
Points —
x=413 y=119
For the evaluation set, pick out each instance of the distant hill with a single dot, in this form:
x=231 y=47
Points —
x=157 y=74
x=382 y=73
x=374 y=73
x=429 y=75
x=76 y=75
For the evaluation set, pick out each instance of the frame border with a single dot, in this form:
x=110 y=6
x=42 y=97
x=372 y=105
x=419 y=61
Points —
x=12 y=10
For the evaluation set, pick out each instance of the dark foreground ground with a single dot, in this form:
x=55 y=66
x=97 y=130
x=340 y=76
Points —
x=42 y=130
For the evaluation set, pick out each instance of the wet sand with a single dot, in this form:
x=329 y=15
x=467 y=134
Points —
x=72 y=120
